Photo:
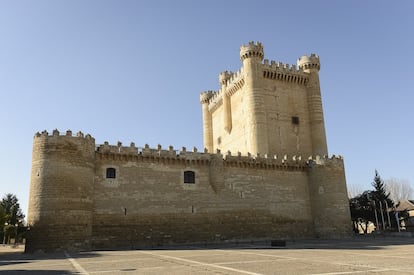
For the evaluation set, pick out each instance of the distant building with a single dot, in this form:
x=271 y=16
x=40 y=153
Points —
x=264 y=174
x=407 y=205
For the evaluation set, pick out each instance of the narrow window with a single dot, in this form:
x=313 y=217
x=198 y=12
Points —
x=219 y=140
x=189 y=177
x=110 y=173
x=295 y=120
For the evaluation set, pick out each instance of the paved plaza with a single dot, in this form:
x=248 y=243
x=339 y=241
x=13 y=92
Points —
x=364 y=255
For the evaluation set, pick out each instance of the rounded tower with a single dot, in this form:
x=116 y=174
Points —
x=252 y=52
x=256 y=129
x=207 y=121
x=61 y=192
x=311 y=65
x=224 y=77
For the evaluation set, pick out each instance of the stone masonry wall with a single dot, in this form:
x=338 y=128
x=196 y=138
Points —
x=329 y=200
x=149 y=204
x=61 y=188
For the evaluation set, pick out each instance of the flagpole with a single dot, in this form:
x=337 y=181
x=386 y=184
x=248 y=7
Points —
x=397 y=219
x=382 y=216
x=376 y=216
x=388 y=214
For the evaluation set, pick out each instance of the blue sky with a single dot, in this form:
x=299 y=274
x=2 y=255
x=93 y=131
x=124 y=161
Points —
x=133 y=71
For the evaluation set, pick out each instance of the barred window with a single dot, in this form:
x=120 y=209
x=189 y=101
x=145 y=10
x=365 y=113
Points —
x=189 y=177
x=110 y=173
x=295 y=120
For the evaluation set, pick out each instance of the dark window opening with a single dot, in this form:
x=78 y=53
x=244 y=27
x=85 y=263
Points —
x=219 y=140
x=189 y=177
x=295 y=120
x=110 y=173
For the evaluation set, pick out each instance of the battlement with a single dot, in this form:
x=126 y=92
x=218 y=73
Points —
x=252 y=49
x=295 y=162
x=205 y=96
x=68 y=133
x=284 y=72
x=118 y=151
x=233 y=82
x=224 y=77
x=309 y=62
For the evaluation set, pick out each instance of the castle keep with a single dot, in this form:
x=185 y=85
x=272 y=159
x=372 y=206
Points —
x=264 y=172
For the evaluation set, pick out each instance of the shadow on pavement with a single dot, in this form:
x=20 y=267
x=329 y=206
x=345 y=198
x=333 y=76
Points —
x=35 y=272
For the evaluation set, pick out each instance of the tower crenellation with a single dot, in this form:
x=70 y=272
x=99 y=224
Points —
x=252 y=50
x=310 y=62
x=224 y=77
x=230 y=157
x=68 y=133
x=206 y=96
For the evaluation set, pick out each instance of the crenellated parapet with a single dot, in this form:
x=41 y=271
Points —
x=235 y=82
x=230 y=83
x=284 y=162
x=284 y=72
x=309 y=62
x=182 y=155
x=251 y=50
x=56 y=133
x=58 y=141
x=265 y=162
x=206 y=96
x=325 y=160
x=224 y=77
x=133 y=153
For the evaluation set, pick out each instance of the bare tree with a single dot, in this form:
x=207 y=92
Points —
x=399 y=189
x=354 y=190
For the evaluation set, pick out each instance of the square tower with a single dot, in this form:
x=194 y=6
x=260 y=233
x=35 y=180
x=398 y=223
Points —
x=266 y=107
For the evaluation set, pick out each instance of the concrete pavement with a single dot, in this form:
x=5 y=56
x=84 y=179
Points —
x=362 y=255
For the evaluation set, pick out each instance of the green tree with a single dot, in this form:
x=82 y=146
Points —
x=11 y=217
x=380 y=194
x=362 y=210
x=2 y=221
x=11 y=208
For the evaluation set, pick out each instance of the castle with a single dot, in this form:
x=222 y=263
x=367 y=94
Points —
x=264 y=173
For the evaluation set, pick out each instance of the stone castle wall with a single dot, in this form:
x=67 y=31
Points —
x=75 y=206
x=231 y=199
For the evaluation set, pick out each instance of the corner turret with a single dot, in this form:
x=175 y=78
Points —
x=207 y=121
x=256 y=121
x=61 y=191
x=205 y=97
x=224 y=77
x=309 y=63
x=252 y=50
